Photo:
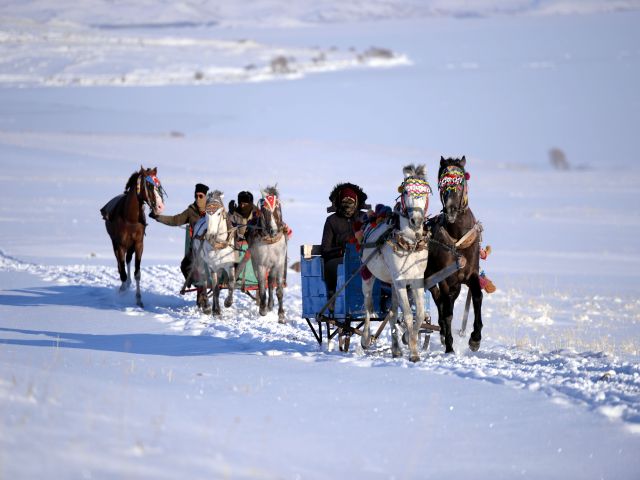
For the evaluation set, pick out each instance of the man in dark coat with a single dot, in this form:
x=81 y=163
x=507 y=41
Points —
x=347 y=201
x=190 y=216
x=241 y=213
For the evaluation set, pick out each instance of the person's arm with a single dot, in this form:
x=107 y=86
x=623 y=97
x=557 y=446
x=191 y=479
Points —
x=328 y=239
x=174 y=220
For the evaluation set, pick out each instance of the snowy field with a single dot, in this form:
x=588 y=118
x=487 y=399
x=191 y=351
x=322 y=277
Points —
x=93 y=387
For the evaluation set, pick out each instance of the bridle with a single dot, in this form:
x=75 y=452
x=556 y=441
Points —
x=453 y=179
x=416 y=188
x=269 y=203
x=146 y=187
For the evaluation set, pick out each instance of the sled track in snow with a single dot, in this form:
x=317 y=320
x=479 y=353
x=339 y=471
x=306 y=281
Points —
x=596 y=381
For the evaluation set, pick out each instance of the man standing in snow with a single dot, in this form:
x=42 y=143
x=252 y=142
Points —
x=190 y=215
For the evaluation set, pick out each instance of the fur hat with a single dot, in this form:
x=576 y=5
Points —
x=341 y=190
x=245 y=196
x=201 y=188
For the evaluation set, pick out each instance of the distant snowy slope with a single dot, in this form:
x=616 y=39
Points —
x=279 y=13
x=58 y=55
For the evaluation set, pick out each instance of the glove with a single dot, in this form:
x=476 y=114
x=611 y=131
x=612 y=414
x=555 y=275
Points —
x=232 y=206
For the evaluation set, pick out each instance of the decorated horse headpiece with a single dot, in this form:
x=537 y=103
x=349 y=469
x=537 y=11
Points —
x=414 y=185
x=453 y=178
x=214 y=202
x=150 y=180
x=269 y=198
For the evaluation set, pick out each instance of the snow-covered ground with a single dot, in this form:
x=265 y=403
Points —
x=93 y=387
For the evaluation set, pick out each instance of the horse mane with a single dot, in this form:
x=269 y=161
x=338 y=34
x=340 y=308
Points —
x=215 y=195
x=411 y=170
x=271 y=190
x=131 y=183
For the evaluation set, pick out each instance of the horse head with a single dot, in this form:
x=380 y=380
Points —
x=216 y=221
x=414 y=195
x=270 y=210
x=453 y=188
x=149 y=189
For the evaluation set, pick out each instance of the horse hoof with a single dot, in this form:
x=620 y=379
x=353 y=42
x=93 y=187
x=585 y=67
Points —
x=474 y=346
x=263 y=312
x=414 y=358
x=141 y=305
x=364 y=344
x=228 y=302
x=449 y=351
x=282 y=320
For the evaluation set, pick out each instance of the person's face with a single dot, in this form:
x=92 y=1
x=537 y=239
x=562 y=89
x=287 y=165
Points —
x=348 y=206
x=201 y=201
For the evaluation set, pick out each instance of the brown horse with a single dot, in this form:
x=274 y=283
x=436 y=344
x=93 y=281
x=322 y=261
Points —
x=455 y=232
x=126 y=222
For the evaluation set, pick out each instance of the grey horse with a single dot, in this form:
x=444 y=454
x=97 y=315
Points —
x=267 y=240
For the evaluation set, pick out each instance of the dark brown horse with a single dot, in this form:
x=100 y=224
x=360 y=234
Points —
x=126 y=222
x=455 y=232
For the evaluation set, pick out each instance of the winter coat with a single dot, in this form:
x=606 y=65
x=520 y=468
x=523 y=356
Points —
x=338 y=230
x=240 y=222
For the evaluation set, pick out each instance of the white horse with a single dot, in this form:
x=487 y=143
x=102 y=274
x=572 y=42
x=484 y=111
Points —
x=212 y=249
x=267 y=240
x=400 y=258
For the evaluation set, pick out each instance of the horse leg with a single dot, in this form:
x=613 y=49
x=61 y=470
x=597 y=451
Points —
x=128 y=258
x=280 y=295
x=476 y=296
x=262 y=293
x=407 y=315
x=449 y=302
x=367 y=288
x=215 y=300
x=392 y=316
x=120 y=257
x=418 y=298
x=231 y=273
x=137 y=274
x=271 y=280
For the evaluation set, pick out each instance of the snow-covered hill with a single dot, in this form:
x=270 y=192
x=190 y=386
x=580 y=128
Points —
x=93 y=387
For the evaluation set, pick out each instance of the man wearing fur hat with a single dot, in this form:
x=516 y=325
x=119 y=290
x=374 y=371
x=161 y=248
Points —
x=190 y=216
x=347 y=201
x=240 y=214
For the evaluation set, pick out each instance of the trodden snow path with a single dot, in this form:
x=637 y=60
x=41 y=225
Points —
x=596 y=381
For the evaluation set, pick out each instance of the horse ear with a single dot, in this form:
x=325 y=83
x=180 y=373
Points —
x=154 y=171
x=463 y=161
x=441 y=160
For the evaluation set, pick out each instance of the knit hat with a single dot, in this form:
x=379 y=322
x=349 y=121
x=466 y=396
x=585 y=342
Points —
x=245 y=197
x=347 y=192
x=201 y=188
